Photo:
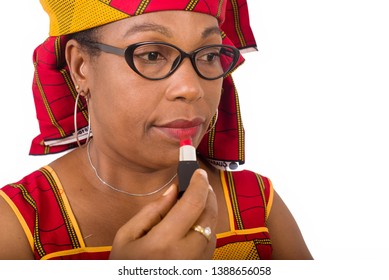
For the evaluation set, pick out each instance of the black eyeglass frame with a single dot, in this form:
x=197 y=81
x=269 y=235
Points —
x=128 y=54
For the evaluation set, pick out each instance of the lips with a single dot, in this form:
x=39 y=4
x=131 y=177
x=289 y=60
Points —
x=182 y=129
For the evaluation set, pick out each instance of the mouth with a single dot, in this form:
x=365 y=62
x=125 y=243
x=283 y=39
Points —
x=182 y=129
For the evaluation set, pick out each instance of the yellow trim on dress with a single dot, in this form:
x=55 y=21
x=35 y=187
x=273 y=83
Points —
x=228 y=201
x=77 y=251
x=270 y=202
x=22 y=221
x=67 y=206
x=242 y=232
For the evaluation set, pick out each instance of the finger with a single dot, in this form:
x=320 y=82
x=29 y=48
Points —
x=189 y=208
x=147 y=217
x=207 y=221
x=197 y=242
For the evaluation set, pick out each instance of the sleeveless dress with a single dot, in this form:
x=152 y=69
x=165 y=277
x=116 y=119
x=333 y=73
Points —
x=44 y=212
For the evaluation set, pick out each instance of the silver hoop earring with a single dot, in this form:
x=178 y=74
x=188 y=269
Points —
x=213 y=121
x=75 y=122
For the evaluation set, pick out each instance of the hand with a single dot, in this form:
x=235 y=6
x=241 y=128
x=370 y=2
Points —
x=164 y=229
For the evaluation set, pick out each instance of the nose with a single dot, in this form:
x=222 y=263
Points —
x=185 y=84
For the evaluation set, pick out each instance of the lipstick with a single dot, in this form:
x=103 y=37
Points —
x=187 y=164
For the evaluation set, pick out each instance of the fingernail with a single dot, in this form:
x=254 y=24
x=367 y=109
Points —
x=210 y=188
x=169 y=190
x=203 y=173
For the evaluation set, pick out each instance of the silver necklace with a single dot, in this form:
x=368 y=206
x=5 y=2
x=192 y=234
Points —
x=122 y=191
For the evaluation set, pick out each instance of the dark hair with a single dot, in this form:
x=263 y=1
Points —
x=86 y=38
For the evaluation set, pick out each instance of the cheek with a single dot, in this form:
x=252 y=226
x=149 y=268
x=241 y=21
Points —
x=214 y=96
x=119 y=99
x=121 y=106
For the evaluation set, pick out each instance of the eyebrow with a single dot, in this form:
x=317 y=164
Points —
x=166 y=31
x=149 y=27
x=210 y=31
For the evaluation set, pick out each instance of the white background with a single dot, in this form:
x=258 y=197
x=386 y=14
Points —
x=314 y=103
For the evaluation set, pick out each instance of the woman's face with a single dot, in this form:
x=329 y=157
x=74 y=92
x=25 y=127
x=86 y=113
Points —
x=141 y=120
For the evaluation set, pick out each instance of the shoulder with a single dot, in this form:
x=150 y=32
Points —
x=13 y=240
x=279 y=220
x=249 y=188
x=15 y=200
x=249 y=182
x=19 y=205
x=30 y=183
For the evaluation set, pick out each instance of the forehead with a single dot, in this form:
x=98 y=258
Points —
x=166 y=23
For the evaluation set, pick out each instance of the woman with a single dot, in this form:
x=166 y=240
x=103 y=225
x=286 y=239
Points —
x=145 y=75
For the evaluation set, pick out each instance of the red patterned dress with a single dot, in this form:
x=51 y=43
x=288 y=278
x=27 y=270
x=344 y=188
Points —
x=44 y=212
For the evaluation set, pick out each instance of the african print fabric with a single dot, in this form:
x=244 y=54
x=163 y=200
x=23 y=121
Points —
x=44 y=212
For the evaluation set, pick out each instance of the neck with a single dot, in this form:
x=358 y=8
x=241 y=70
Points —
x=126 y=181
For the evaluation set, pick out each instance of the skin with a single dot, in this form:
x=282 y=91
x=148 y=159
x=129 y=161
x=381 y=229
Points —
x=132 y=150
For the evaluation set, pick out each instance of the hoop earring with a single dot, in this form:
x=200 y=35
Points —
x=213 y=121
x=75 y=122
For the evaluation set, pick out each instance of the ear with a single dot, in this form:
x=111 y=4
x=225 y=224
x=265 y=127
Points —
x=78 y=60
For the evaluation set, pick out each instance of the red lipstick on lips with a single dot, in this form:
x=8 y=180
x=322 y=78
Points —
x=182 y=129
x=187 y=164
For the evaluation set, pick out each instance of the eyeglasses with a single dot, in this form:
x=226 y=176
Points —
x=159 y=60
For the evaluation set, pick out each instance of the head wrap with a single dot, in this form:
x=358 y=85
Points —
x=55 y=94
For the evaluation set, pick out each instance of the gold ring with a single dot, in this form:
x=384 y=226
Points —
x=206 y=232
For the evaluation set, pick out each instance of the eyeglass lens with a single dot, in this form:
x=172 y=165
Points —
x=158 y=60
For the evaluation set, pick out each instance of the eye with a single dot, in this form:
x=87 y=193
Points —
x=209 y=56
x=150 y=56
x=152 y=53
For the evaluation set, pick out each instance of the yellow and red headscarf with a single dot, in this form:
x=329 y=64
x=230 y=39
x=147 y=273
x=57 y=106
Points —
x=55 y=94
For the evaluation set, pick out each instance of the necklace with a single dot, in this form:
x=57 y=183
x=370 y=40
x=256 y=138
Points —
x=122 y=191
